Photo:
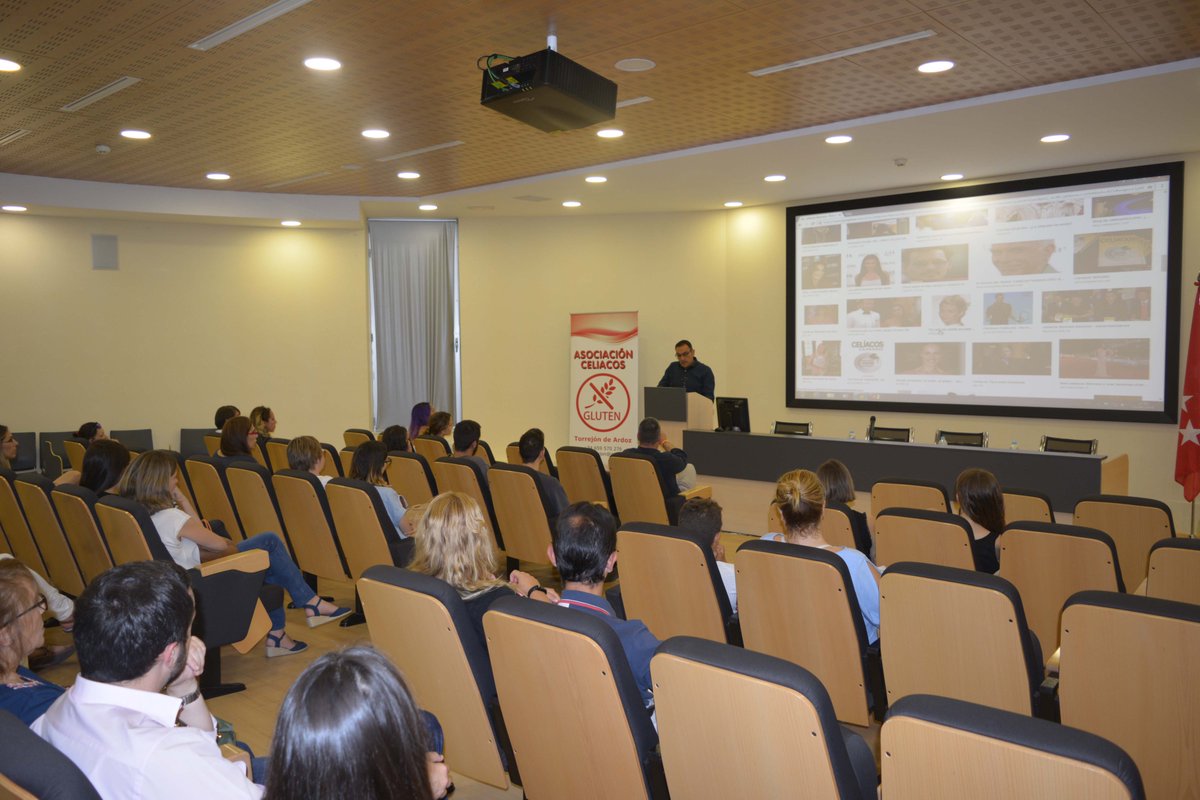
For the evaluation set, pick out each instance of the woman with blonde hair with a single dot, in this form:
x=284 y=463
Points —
x=22 y=693
x=150 y=481
x=453 y=543
x=801 y=501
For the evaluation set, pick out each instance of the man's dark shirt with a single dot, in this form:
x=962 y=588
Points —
x=667 y=464
x=696 y=378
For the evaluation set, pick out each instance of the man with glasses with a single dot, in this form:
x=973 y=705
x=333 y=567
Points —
x=688 y=373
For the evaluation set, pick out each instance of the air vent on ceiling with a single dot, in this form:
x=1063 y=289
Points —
x=849 y=51
x=301 y=179
x=419 y=151
x=532 y=198
x=12 y=136
x=260 y=17
x=101 y=93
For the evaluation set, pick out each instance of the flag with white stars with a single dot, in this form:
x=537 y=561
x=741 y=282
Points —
x=1187 y=457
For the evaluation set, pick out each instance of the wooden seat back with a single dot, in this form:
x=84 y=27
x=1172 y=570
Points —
x=310 y=526
x=82 y=530
x=254 y=500
x=1175 y=570
x=929 y=537
x=431 y=448
x=1134 y=523
x=582 y=476
x=637 y=489
x=521 y=511
x=33 y=491
x=16 y=529
x=356 y=510
x=409 y=474
x=212 y=498
x=459 y=477
x=123 y=534
x=75 y=451
x=346 y=457
x=353 y=437
x=212 y=443
x=277 y=454
x=835 y=526
x=901 y=493
x=1023 y=505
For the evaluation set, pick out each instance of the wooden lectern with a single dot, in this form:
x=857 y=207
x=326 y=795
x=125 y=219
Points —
x=677 y=410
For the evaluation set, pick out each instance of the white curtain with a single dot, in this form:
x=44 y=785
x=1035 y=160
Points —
x=414 y=299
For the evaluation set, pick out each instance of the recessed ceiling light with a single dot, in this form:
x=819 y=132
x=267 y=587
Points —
x=571 y=204
x=635 y=64
x=322 y=64
x=376 y=133
x=217 y=176
x=408 y=175
x=775 y=178
x=952 y=176
x=427 y=207
x=840 y=138
x=9 y=66
x=596 y=179
x=930 y=67
x=290 y=223
x=135 y=134
x=13 y=208
x=734 y=204
x=610 y=133
x=1056 y=137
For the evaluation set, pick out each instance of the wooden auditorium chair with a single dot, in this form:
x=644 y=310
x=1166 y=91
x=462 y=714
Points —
x=277 y=454
x=254 y=501
x=76 y=508
x=798 y=603
x=670 y=581
x=571 y=705
x=903 y=493
x=1026 y=505
x=409 y=474
x=431 y=447
x=212 y=443
x=333 y=463
x=523 y=511
x=207 y=477
x=512 y=454
x=345 y=460
x=137 y=440
x=75 y=450
x=943 y=749
x=584 y=477
x=640 y=493
x=734 y=723
x=1175 y=570
x=930 y=537
x=1134 y=523
x=457 y=474
x=33 y=492
x=353 y=437
x=364 y=528
x=16 y=530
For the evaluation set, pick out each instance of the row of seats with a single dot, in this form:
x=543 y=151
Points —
x=732 y=722
x=878 y=433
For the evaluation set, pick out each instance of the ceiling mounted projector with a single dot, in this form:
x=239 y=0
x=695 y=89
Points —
x=548 y=91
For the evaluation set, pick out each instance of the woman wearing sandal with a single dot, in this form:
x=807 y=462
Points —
x=150 y=481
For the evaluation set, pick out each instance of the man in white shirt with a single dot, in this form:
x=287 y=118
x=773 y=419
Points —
x=701 y=516
x=865 y=316
x=135 y=722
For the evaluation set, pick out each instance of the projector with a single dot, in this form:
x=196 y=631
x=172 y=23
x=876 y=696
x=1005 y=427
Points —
x=550 y=92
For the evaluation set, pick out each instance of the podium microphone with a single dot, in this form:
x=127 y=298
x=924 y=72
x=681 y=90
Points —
x=871 y=428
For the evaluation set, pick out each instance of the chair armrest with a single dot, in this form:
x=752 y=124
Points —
x=234 y=753
x=1052 y=663
x=733 y=630
x=698 y=491
x=250 y=561
x=873 y=666
x=1045 y=701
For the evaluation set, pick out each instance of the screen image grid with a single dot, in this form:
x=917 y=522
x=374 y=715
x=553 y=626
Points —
x=1051 y=298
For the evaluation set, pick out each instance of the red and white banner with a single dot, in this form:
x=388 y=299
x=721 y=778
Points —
x=604 y=381
x=1187 y=457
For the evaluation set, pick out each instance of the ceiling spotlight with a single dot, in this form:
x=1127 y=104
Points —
x=610 y=133
x=1054 y=138
x=290 y=223
x=596 y=179
x=408 y=175
x=322 y=64
x=930 y=67
x=840 y=138
x=427 y=207
x=376 y=133
x=734 y=204
x=217 y=176
x=9 y=66
x=135 y=134
x=952 y=176
x=13 y=208
x=775 y=178
x=571 y=204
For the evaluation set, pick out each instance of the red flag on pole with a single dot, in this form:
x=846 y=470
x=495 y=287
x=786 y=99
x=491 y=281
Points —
x=1187 y=458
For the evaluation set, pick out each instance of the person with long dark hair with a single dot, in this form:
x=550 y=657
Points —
x=981 y=502
x=238 y=440
x=103 y=465
x=349 y=729
x=419 y=423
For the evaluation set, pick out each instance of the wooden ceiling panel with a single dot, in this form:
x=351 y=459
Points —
x=250 y=108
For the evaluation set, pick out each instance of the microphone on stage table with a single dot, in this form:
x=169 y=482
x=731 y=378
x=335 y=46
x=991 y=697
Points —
x=871 y=428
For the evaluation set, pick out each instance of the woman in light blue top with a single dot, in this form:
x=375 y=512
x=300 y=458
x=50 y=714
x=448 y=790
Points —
x=370 y=464
x=801 y=501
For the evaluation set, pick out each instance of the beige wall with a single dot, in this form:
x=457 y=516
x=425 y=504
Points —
x=197 y=315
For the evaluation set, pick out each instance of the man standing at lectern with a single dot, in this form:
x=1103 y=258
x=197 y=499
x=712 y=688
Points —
x=688 y=373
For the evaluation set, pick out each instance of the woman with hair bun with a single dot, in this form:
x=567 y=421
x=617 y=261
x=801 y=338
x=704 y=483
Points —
x=91 y=432
x=981 y=502
x=801 y=501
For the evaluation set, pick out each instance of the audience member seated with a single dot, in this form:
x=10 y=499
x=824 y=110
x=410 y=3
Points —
x=91 y=432
x=701 y=516
x=981 y=501
x=370 y=464
x=672 y=463
x=262 y=419
x=466 y=442
x=238 y=438
x=150 y=480
x=801 y=501
x=439 y=424
x=22 y=693
x=532 y=445
x=135 y=722
x=419 y=423
x=839 y=488
x=453 y=544
x=395 y=439
x=349 y=727
x=103 y=465
x=8 y=454
x=305 y=454
x=584 y=548
x=223 y=415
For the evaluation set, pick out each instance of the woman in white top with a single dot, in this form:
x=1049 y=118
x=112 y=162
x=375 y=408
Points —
x=150 y=480
x=801 y=501
x=305 y=454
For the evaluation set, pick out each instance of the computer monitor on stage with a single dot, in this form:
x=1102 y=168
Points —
x=733 y=414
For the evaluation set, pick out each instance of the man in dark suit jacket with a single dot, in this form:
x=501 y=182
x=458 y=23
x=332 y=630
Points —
x=668 y=460
x=532 y=445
